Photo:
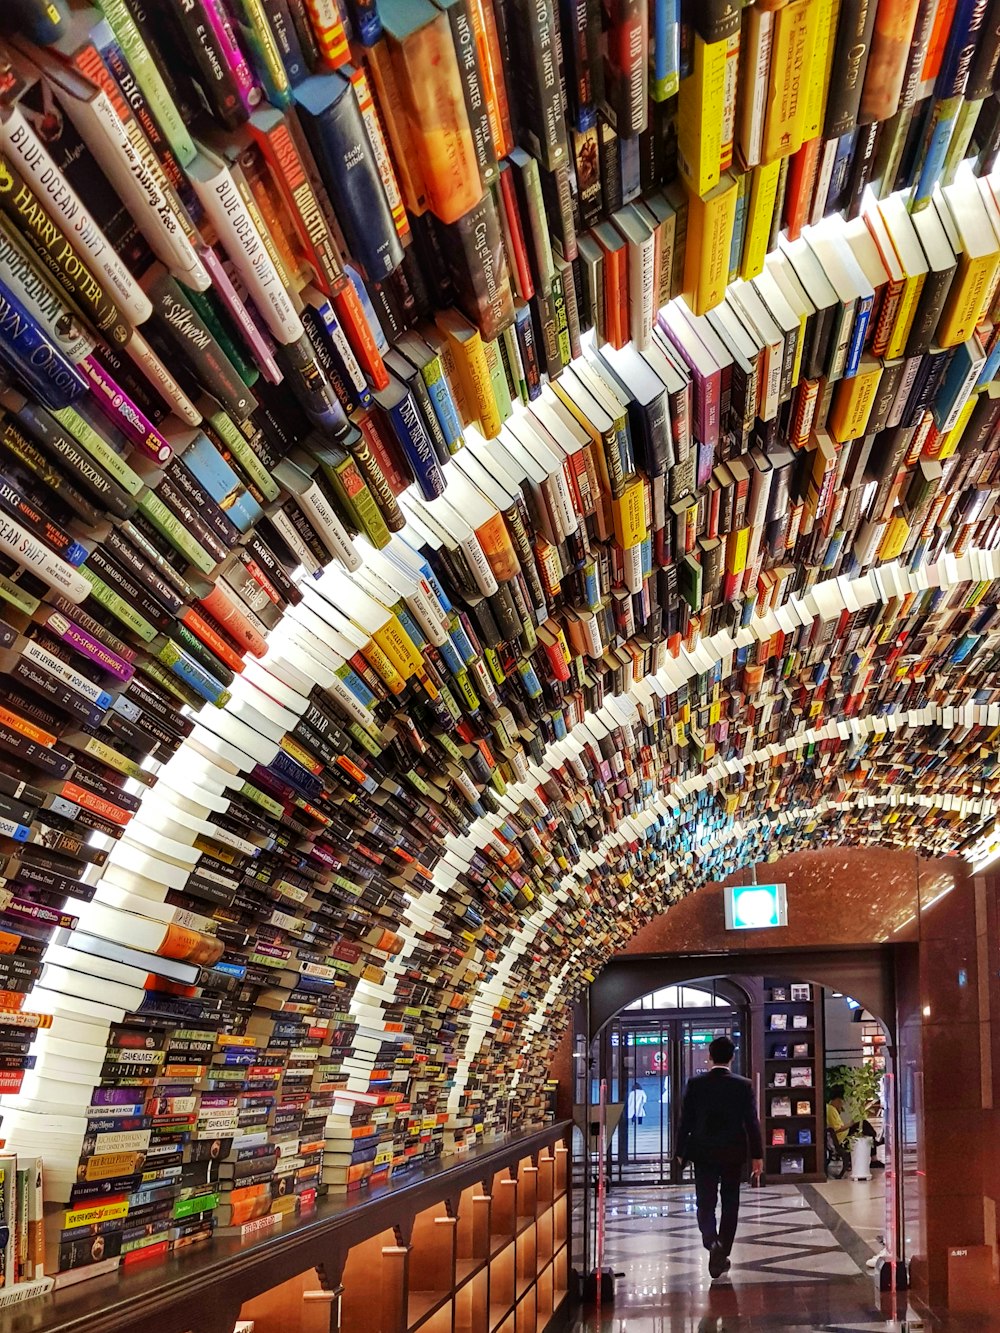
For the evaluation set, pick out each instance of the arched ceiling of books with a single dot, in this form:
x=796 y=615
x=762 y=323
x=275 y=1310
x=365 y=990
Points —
x=433 y=542
x=877 y=730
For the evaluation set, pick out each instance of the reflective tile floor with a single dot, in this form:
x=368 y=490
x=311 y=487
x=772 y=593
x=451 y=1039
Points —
x=790 y=1271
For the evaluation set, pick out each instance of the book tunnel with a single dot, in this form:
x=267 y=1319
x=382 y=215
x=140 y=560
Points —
x=499 y=666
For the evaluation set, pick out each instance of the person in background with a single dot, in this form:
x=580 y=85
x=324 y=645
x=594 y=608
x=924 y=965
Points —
x=719 y=1129
x=842 y=1128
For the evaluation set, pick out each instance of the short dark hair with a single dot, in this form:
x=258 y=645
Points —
x=721 y=1051
x=836 y=1091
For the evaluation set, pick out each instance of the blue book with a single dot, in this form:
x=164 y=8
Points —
x=327 y=337
x=963 y=38
x=990 y=366
x=959 y=380
x=331 y=119
x=367 y=21
x=28 y=349
x=279 y=20
x=941 y=127
x=628 y=160
x=207 y=465
x=664 y=68
x=408 y=427
x=858 y=335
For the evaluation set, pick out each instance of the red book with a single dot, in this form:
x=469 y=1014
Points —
x=515 y=230
x=213 y=641
x=352 y=317
x=223 y=607
x=801 y=186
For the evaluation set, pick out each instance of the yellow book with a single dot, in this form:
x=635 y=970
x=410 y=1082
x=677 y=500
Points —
x=794 y=37
x=954 y=436
x=894 y=538
x=629 y=515
x=853 y=400
x=466 y=345
x=760 y=213
x=383 y=666
x=912 y=288
x=737 y=545
x=978 y=264
x=398 y=647
x=706 y=264
x=970 y=292
x=700 y=115
x=817 y=75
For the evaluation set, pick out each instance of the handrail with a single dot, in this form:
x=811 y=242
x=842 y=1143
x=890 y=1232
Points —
x=201 y=1290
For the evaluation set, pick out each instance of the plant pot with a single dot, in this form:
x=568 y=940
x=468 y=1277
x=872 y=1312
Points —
x=861 y=1158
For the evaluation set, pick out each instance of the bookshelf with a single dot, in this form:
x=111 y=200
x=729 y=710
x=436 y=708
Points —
x=353 y=1258
x=795 y=1108
x=427 y=551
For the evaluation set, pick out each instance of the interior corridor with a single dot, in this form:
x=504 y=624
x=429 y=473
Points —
x=799 y=1263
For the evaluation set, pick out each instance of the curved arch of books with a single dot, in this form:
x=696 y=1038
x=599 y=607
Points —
x=421 y=565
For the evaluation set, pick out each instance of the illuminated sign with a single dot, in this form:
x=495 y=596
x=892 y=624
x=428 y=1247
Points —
x=756 y=906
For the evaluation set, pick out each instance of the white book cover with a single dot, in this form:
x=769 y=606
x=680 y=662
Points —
x=224 y=206
x=119 y=155
x=31 y=158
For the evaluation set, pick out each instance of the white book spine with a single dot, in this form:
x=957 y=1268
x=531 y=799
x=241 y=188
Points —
x=642 y=279
x=632 y=563
x=59 y=575
x=294 y=542
x=557 y=489
x=104 y=134
x=424 y=614
x=846 y=328
x=761 y=30
x=231 y=218
x=591 y=634
x=332 y=532
x=775 y=355
x=472 y=550
x=824 y=177
x=62 y=202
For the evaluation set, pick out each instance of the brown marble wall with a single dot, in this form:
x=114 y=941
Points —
x=945 y=930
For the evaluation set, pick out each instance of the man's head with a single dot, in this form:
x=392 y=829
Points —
x=837 y=1096
x=721 y=1051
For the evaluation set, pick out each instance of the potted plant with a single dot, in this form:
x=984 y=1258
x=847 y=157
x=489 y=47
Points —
x=861 y=1088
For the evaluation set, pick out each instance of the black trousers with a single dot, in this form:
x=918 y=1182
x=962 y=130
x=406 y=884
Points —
x=709 y=1180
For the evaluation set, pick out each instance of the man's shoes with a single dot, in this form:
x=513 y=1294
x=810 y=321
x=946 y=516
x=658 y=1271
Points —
x=717 y=1261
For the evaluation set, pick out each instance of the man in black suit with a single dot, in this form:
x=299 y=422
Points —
x=719 y=1129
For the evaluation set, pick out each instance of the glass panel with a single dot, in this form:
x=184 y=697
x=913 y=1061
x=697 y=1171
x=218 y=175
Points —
x=646 y=1142
x=693 y=998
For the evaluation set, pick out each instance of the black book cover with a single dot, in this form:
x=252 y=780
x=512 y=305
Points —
x=850 y=58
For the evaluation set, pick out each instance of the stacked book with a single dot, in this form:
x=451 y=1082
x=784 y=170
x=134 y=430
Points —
x=444 y=518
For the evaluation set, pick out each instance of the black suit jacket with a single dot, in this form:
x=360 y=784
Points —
x=719 y=1125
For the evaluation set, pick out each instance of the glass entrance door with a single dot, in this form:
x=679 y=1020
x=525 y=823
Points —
x=647 y=1058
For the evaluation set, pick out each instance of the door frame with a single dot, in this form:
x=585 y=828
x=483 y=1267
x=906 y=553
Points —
x=674 y=1024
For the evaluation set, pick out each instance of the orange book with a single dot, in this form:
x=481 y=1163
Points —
x=430 y=87
x=615 y=248
x=484 y=25
x=352 y=317
x=939 y=40
x=801 y=186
